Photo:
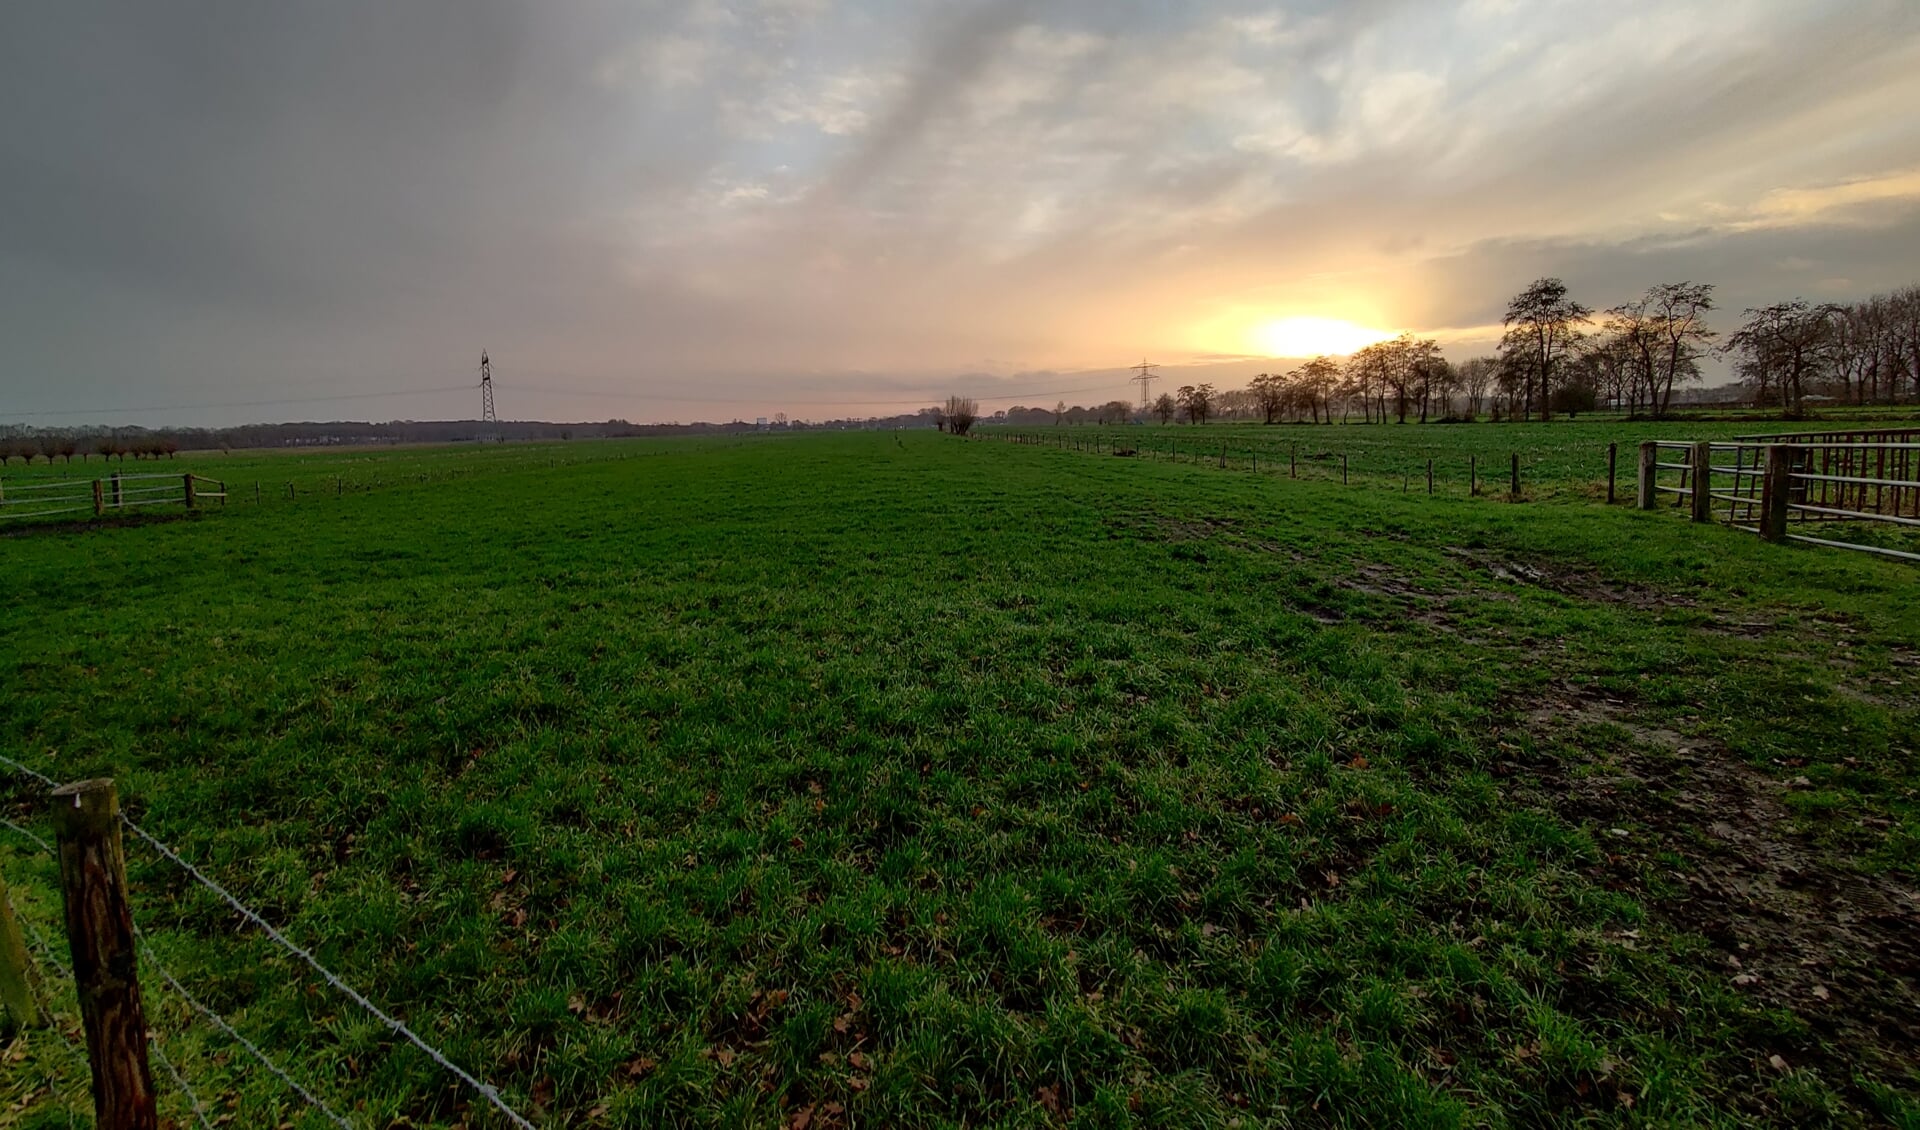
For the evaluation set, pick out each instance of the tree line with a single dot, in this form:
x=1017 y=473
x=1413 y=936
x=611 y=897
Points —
x=1559 y=356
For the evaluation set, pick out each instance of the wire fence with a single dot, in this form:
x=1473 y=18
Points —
x=1380 y=466
x=223 y=1024
x=62 y=501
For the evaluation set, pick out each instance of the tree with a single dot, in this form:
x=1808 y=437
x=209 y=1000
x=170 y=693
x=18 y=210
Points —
x=1166 y=407
x=961 y=412
x=1782 y=349
x=1317 y=380
x=1116 y=412
x=1680 y=311
x=1059 y=412
x=1476 y=377
x=1543 y=325
x=1270 y=391
x=1197 y=400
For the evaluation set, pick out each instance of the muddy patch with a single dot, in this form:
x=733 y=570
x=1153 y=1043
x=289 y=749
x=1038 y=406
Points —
x=1163 y=527
x=1584 y=584
x=1793 y=928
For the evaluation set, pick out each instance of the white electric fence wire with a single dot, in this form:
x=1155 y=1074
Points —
x=486 y=1090
x=220 y=1022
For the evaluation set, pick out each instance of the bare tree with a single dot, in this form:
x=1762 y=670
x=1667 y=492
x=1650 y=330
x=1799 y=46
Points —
x=1782 y=348
x=1166 y=407
x=1543 y=324
x=1196 y=400
x=1476 y=377
x=960 y=413
x=1317 y=380
x=1271 y=393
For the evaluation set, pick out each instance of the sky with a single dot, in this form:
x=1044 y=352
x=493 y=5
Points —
x=217 y=213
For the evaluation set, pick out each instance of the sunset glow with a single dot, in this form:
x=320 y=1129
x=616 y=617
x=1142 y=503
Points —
x=1309 y=337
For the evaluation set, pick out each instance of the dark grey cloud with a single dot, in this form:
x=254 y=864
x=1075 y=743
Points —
x=688 y=207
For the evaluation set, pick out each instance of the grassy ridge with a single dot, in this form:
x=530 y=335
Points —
x=919 y=782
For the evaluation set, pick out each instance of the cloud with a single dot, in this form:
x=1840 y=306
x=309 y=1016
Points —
x=820 y=200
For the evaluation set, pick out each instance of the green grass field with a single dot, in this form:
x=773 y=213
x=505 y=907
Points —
x=888 y=779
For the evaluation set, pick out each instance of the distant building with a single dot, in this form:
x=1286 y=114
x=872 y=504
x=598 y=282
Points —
x=760 y=422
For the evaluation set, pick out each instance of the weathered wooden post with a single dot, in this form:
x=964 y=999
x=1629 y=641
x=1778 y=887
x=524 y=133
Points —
x=1776 y=492
x=1647 y=497
x=1702 y=497
x=1343 y=468
x=99 y=499
x=1514 y=476
x=1223 y=457
x=1473 y=476
x=188 y=480
x=17 y=1009
x=290 y=491
x=1293 y=461
x=256 y=492
x=1429 y=478
x=116 y=490
x=93 y=885
x=1613 y=453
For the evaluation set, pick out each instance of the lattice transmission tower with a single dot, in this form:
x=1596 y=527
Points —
x=1145 y=380
x=486 y=390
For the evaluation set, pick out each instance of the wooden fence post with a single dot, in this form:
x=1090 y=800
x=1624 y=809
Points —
x=1613 y=453
x=1223 y=457
x=290 y=490
x=1343 y=468
x=93 y=885
x=1429 y=478
x=1514 y=476
x=116 y=490
x=99 y=499
x=1776 y=491
x=1473 y=476
x=188 y=480
x=256 y=492
x=1293 y=461
x=1647 y=497
x=17 y=1009
x=1702 y=497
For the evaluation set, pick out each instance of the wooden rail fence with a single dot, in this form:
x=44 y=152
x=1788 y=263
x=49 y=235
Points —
x=109 y=495
x=1775 y=485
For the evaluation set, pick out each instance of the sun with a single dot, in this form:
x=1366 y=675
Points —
x=1310 y=337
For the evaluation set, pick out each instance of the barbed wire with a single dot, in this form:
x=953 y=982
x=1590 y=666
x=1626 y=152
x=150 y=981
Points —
x=153 y=1039
x=199 y=1112
x=47 y=954
x=29 y=833
x=30 y=771
x=486 y=1090
x=220 y=1022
